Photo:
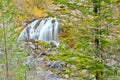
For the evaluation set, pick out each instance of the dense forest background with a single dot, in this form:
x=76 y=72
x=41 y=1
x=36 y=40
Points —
x=89 y=36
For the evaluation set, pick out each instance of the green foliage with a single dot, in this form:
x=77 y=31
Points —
x=15 y=56
x=43 y=43
x=72 y=59
x=74 y=5
x=82 y=34
x=79 y=31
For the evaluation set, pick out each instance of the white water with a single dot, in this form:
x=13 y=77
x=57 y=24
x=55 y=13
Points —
x=47 y=30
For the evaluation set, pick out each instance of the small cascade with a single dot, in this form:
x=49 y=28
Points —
x=45 y=30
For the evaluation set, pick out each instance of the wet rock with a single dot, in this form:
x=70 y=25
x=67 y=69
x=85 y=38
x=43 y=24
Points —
x=45 y=53
x=37 y=52
x=54 y=77
x=66 y=76
x=41 y=59
x=54 y=44
x=51 y=63
x=57 y=66
x=28 y=60
x=39 y=47
x=64 y=64
x=31 y=45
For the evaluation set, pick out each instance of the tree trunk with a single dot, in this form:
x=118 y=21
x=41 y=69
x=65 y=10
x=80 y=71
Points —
x=5 y=43
x=96 y=10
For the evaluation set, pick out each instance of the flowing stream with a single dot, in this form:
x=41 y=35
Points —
x=46 y=30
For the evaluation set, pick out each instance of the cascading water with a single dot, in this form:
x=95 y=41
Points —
x=45 y=30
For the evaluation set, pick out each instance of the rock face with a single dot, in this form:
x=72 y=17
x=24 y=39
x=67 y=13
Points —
x=38 y=72
x=45 y=30
x=54 y=44
x=38 y=65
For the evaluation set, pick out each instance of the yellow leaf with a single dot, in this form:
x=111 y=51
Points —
x=36 y=12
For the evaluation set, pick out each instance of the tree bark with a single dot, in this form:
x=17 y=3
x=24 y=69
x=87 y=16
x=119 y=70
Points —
x=96 y=10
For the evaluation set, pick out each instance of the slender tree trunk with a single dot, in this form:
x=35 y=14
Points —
x=98 y=54
x=6 y=53
x=5 y=47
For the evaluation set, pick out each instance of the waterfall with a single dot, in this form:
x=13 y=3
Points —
x=46 y=30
